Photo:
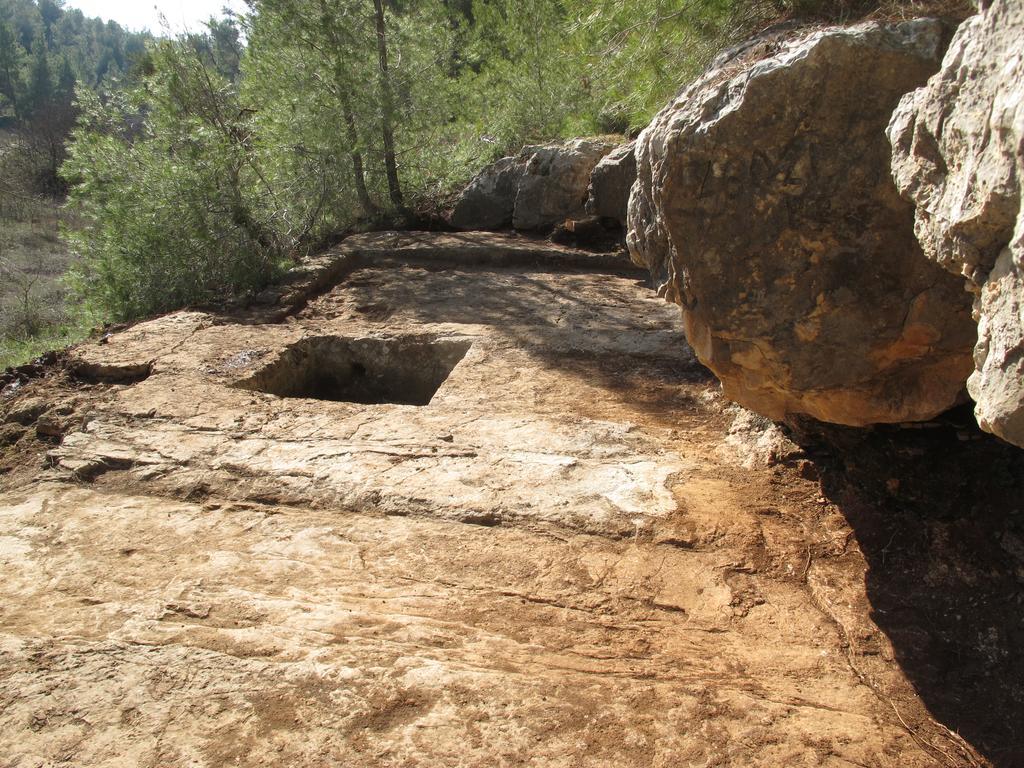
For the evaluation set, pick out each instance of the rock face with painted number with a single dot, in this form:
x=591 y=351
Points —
x=764 y=207
x=957 y=154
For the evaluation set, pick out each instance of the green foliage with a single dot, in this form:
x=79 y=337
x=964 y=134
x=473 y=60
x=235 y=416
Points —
x=299 y=135
x=524 y=75
x=432 y=102
x=330 y=51
x=97 y=52
x=309 y=67
x=45 y=51
x=39 y=93
x=17 y=350
x=180 y=212
x=639 y=52
x=195 y=183
x=11 y=55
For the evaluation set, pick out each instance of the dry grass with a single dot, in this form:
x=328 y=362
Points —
x=34 y=259
x=33 y=300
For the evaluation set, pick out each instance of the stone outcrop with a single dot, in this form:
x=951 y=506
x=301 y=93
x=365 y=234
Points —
x=764 y=207
x=611 y=182
x=554 y=183
x=319 y=568
x=534 y=190
x=957 y=154
x=489 y=201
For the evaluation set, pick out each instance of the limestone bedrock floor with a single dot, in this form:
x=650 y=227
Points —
x=556 y=562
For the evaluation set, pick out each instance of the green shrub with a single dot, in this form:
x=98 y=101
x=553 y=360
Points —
x=174 y=204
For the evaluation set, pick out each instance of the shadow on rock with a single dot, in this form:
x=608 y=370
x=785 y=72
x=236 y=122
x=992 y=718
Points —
x=938 y=510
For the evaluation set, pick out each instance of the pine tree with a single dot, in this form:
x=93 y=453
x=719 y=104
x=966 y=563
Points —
x=49 y=117
x=387 y=101
x=10 y=66
x=223 y=41
x=50 y=12
x=335 y=35
x=40 y=81
x=65 y=81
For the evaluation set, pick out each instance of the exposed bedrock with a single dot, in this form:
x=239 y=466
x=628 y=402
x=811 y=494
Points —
x=958 y=154
x=764 y=206
x=534 y=190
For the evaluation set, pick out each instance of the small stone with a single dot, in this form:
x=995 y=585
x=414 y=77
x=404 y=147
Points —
x=10 y=434
x=25 y=412
x=808 y=470
x=50 y=425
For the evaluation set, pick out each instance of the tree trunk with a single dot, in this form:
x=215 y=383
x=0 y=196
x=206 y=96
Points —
x=348 y=114
x=358 y=172
x=388 y=108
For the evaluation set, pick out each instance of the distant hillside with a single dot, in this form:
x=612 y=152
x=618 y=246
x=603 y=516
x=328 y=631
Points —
x=46 y=48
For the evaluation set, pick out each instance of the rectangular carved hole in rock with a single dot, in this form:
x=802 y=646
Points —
x=405 y=370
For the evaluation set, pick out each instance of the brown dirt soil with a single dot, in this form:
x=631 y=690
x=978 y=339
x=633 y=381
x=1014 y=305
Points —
x=561 y=560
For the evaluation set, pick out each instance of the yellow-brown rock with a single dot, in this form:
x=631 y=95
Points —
x=764 y=207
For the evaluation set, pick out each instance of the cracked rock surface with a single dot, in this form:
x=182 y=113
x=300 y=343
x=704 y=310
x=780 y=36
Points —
x=551 y=563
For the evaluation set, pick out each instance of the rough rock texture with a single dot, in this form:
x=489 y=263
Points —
x=754 y=440
x=611 y=182
x=958 y=153
x=764 y=206
x=555 y=181
x=997 y=385
x=535 y=190
x=489 y=201
x=550 y=564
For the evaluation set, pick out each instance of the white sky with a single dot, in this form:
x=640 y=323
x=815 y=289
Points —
x=145 y=14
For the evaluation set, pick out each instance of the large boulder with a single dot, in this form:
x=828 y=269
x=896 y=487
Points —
x=764 y=207
x=610 y=184
x=554 y=184
x=540 y=187
x=489 y=201
x=958 y=153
